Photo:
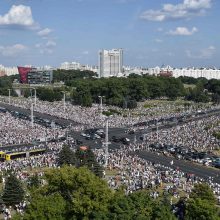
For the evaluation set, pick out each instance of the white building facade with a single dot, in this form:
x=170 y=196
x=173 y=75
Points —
x=8 y=71
x=70 y=66
x=207 y=73
x=77 y=66
x=110 y=62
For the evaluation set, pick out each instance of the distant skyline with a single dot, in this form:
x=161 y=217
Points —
x=179 y=33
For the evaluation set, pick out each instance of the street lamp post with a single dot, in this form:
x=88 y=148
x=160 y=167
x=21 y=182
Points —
x=64 y=101
x=32 y=115
x=9 y=96
x=101 y=102
x=106 y=143
x=157 y=130
x=35 y=97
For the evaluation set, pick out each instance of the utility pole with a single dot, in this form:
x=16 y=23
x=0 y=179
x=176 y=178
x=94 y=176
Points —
x=32 y=115
x=9 y=96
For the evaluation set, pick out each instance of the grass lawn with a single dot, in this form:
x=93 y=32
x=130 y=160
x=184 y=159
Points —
x=111 y=172
x=186 y=86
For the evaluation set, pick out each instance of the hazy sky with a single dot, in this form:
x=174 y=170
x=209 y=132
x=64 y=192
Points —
x=151 y=32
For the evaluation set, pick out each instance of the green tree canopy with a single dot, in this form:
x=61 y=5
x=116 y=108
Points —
x=199 y=209
x=138 y=205
x=13 y=192
x=204 y=192
x=87 y=158
x=46 y=207
x=33 y=181
x=202 y=204
x=66 y=156
x=70 y=193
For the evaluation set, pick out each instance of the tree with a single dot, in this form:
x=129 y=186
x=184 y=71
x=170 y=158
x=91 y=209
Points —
x=131 y=104
x=70 y=193
x=87 y=158
x=216 y=98
x=48 y=94
x=162 y=211
x=13 y=192
x=86 y=99
x=202 y=204
x=120 y=207
x=34 y=181
x=66 y=156
x=50 y=207
x=138 y=205
x=199 y=209
x=204 y=192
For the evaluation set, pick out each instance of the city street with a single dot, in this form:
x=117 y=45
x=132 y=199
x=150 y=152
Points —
x=185 y=166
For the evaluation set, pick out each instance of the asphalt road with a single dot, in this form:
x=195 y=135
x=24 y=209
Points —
x=60 y=121
x=185 y=166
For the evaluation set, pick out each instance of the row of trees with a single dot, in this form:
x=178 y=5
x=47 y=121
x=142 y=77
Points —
x=125 y=91
x=67 y=75
x=84 y=89
x=204 y=90
x=6 y=83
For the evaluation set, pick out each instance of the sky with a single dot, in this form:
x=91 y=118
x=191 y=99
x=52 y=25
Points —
x=179 y=33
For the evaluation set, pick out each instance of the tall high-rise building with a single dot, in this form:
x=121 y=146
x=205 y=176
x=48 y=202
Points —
x=110 y=62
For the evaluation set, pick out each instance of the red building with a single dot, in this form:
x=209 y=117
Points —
x=23 y=72
x=166 y=73
x=2 y=73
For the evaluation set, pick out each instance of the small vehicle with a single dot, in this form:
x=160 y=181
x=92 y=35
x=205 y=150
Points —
x=115 y=139
x=216 y=163
x=125 y=140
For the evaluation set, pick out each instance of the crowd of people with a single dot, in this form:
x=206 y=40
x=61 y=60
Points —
x=18 y=131
x=135 y=173
x=131 y=172
x=196 y=135
x=92 y=117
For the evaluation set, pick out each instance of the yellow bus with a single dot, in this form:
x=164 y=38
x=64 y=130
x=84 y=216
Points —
x=2 y=156
x=22 y=154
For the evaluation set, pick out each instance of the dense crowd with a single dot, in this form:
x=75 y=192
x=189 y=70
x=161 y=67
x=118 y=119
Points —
x=135 y=173
x=132 y=172
x=197 y=135
x=18 y=131
x=92 y=117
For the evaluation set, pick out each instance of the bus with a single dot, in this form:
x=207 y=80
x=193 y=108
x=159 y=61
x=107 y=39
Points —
x=7 y=156
x=2 y=155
